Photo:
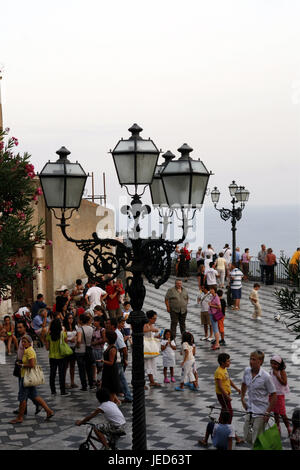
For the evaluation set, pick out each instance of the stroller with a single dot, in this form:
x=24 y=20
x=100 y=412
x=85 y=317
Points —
x=25 y=317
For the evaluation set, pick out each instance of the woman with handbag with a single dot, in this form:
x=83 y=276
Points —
x=28 y=364
x=57 y=359
x=215 y=314
x=150 y=362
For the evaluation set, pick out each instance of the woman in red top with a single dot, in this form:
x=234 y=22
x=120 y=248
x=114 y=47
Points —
x=271 y=263
x=187 y=254
x=114 y=291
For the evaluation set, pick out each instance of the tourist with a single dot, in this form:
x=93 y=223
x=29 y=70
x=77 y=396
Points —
x=114 y=417
x=71 y=329
x=211 y=276
x=113 y=293
x=77 y=292
x=214 y=310
x=237 y=257
x=271 y=263
x=8 y=333
x=56 y=360
x=84 y=353
x=227 y=254
x=199 y=259
x=29 y=361
x=209 y=252
x=99 y=311
x=122 y=361
x=236 y=276
x=98 y=341
x=187 y=254
x=176 y=300
x=223 y=385
x=204 y=300
x=177 y=255
x=279 y=377
x=195 y=386
x=221 y=267
x=94 y=295
x=187 y=375
x=294 y=266
x=126 y=312
x=245 y=264
x=221 y=320
x=262 y=262
x=37 y=305
x=110 y=374
x=260 y=386
x=63 y=301
x=222 y=433
x=295 y=435
x=40 y=323
x=255 y=301
x=168 y=347
x=201 y=277
x=150 y=363
x=182 y=266
x=21 y=332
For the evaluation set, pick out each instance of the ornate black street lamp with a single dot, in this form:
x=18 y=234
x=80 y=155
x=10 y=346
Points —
x=136 y=162
x=239 y=195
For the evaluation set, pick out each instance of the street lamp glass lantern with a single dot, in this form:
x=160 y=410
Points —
x=135 y=159
x=185 y=180
x=232 y=188
x=242 y=194
x=215 y=195
x=157 y=189
x=63 y=182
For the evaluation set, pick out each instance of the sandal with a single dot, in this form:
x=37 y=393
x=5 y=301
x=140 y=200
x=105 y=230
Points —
x=202 y=443
x=16 y=421
x=179 y=389
x=213 y=348
x=154 y=384
x=49 y=416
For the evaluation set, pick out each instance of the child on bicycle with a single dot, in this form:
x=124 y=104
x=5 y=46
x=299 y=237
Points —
x=114 y=417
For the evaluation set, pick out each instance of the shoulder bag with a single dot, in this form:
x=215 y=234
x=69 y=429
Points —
x=34 y=376
x=151 y=347
x=64 y=348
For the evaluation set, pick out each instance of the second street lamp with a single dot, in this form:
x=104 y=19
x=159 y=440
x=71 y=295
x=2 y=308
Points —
x=239 y=195
x=135 y=161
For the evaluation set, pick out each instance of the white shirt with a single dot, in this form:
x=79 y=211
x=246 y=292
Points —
x=206 y=265
x=211 y=277
x=227 y=255
x=259 y=388
x=204 y=301
x=112 y=413
x=209 y=252
x=94 y=295
x=168 y=352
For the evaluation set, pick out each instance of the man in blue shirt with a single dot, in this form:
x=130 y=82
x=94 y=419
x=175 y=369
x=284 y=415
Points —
x=37 y=305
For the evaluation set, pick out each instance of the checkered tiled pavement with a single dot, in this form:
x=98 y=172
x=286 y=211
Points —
x=175 y=420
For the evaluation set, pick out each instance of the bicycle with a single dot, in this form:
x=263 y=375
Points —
x=112 y=438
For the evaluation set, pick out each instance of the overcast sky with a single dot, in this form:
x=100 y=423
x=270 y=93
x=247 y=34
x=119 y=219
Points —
x=223 y=76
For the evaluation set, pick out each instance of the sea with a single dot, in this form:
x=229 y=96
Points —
x=277 y=227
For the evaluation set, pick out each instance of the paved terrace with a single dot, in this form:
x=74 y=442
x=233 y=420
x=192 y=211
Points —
x=175 y=420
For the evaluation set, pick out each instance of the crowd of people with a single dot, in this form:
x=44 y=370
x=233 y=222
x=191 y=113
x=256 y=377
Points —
x=91 y=321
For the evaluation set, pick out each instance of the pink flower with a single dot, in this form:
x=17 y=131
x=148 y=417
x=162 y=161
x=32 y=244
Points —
x=1 y=145
x=19 y=275
x=49 y=242
x=15 y=141
x=47 y=266
x=35 y=197
x=39 y=191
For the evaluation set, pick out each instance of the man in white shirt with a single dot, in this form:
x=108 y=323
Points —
x=209 y=252
x=227 y=253
x=94 y=296
x=236 y=277
x=260 y=386
x=211 y=277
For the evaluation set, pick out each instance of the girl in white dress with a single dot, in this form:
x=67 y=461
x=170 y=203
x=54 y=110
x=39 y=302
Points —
x=168 y=348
